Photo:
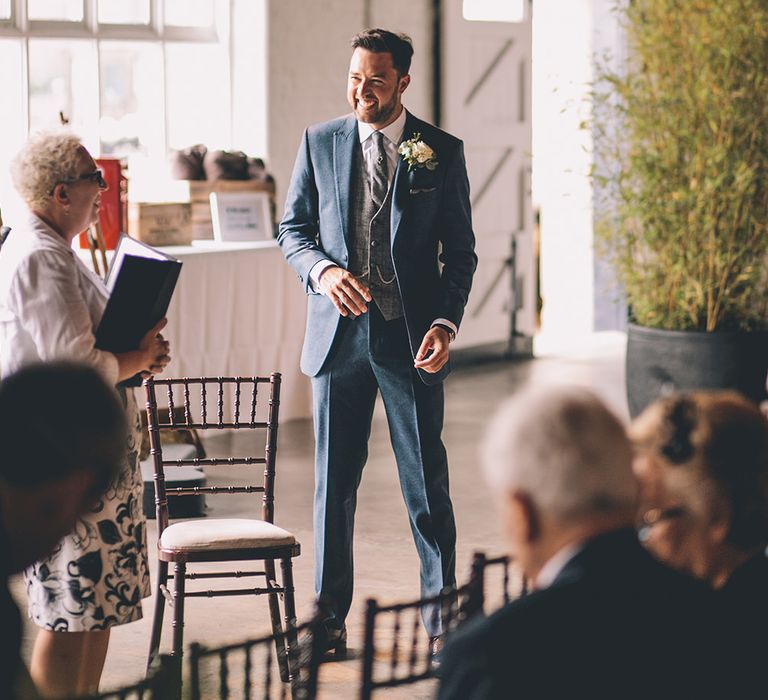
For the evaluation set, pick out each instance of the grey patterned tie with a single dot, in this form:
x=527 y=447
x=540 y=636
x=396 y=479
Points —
x=379 y=183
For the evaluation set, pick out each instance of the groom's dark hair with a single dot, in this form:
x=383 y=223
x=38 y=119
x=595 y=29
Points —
x=382 y=41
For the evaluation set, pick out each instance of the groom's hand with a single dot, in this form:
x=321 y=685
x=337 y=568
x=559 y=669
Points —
x=348 y=294
x=433 y=352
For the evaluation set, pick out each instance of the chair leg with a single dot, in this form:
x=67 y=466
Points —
x=179 y=580
x=290 y=604
x=157 y=620
x=277 y=627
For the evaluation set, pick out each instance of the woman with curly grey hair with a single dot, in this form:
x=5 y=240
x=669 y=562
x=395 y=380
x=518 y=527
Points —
x=50 y=307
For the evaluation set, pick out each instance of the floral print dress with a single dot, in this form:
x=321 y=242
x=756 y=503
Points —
x=50 y=304
x=98 y=574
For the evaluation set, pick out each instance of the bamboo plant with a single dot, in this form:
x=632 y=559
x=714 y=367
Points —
x=681 y=141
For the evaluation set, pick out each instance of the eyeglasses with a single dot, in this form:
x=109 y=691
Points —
x=96 y=176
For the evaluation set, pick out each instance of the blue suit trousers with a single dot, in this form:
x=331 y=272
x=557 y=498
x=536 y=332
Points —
x=372 y=355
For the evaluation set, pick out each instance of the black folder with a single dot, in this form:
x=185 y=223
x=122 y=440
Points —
x=141 y=281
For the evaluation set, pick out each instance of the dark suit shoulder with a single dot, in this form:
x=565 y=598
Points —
x=432 y=135
x=328 y=129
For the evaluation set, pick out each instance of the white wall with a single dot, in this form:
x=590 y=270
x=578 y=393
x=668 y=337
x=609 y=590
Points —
x=308 y=58
x=577 y=289
x=562 y=69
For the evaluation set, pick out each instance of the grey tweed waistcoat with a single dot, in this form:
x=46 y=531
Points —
x=370 y=253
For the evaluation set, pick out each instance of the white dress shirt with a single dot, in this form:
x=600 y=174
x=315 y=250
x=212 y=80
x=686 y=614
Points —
x=555 y=564
x=50 y=303
x=393 y=135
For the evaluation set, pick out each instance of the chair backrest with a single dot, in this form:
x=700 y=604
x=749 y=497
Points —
x=159 y=685
x=249 y=669
x=237 y=407
x=491 y=583
x=396 y=632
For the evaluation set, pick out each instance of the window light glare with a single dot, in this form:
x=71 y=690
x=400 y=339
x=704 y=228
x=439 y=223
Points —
x=494 y=10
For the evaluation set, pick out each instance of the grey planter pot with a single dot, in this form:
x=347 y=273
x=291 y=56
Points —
x=660 y=362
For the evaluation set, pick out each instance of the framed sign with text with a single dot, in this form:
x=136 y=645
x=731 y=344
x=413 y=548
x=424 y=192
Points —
x=241 y=216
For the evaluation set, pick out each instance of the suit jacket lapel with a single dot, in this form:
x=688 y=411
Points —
x=344 y=141
x=401 y=184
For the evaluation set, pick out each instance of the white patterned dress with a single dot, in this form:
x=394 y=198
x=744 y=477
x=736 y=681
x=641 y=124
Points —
x=50 y=304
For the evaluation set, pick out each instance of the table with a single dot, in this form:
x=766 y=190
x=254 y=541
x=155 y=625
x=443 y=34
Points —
x=238 y=309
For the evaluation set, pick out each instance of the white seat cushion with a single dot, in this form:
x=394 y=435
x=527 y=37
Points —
x=225 y=533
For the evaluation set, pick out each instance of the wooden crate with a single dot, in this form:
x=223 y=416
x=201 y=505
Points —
x=198 y=192
x=161 y=224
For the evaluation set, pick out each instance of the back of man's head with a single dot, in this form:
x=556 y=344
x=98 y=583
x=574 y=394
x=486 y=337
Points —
x=565 y=451
x=56 y=419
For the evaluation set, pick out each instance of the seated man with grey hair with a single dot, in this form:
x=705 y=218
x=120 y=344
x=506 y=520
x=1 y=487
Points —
x=604 y=619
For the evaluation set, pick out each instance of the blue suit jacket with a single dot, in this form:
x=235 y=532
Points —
x=431 y=222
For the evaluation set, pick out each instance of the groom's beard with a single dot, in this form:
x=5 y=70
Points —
x=380 y=113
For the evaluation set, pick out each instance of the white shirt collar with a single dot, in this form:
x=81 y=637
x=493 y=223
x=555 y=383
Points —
x=393 y=131
x=555 y=564
x=39 y=226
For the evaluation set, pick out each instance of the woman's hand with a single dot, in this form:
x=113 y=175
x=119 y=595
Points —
x=156 y=349
x=150 y=358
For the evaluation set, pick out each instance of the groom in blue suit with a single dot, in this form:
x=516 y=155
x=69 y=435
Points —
x=378 y=199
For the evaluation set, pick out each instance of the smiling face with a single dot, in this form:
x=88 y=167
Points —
x=374 y=88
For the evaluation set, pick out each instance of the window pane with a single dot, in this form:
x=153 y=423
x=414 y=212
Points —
x=14 y=127
x=198 y=95
x=5 y=9
x=123 y=11
x=63 y=81
x=131 y=99
x=495 y=10
x=61 y=10
x=189 y=13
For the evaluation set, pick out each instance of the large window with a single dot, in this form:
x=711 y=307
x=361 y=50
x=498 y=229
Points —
x=132 y=78
x=494 y=10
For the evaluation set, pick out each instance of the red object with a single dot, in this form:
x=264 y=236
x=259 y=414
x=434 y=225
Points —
x=113 y=214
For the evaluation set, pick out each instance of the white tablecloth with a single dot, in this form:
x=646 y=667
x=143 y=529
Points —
x=238 y=309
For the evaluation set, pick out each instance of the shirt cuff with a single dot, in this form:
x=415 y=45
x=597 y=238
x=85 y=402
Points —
x=446 y=322
x=314 y=274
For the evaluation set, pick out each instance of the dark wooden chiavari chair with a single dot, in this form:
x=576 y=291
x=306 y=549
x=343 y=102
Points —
x=160 y=684
x=396 y=633
x=248 y=669
x=221 y=539
x=485 y=597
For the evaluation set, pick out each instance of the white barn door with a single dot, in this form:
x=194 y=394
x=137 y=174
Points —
x=486 y=87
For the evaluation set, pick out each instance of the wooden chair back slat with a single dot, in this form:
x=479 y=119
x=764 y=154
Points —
x=187 y=407
x=500 y=569
x=410 y=660
x=256 y=660
x=160 y=684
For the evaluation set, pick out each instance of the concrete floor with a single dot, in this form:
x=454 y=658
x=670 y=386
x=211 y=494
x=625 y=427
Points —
x=386 y=565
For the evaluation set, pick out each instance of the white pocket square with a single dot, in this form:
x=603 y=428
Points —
x=423 y=190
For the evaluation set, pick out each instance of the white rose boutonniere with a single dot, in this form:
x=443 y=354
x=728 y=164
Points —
x=417 y=154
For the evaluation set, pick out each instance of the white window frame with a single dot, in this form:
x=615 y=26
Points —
x=21 y=28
